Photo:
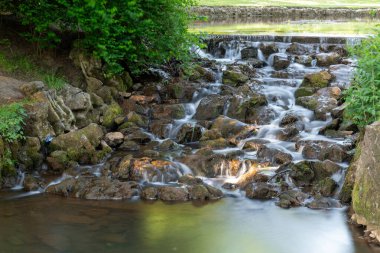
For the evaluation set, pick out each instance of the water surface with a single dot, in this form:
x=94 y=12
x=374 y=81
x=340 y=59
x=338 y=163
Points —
x=44 y=223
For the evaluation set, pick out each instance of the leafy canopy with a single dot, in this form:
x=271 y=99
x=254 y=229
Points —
x=363 y=97
x=124 y=33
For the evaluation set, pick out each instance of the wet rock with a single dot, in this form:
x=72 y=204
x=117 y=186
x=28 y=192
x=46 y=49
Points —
x=261 y=115
x=137 y=135
x=255 y=63
x=189 y=133
x=147 y=169
x=212 y=134
x=326 y=187
x=287 y=134
x=210 y=107
x=255 y=145
x=292 y=120
x=292 y=198
x=114 y=139
x=343 y=75
x=317 y=80
x=168 y=193
x=268 y=49
x=234 y=78
x=202 y=74
x=324 y=203
x=304 y=60
x=58 y=161
x=248 y=53
x=273 y=155
x=31 y=183
x=300 y=49
x=230 y=127
x=176 y=90
x=190 y=180
x=168 y=111
x=160 y=128
x=323 y=150
x=129 y=146
x=215 y=144
x=95 y=188
x=149 y=193
x=280 y=62
x=330 y=92
x=29 y=154
x=168 y=145
x=261 y=191
x=137 y=119
x=327 y=59
x=302 y=173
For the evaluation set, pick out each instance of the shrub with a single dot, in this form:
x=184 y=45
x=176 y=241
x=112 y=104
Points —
x=11 y=122
x=363 y=97
x=128 y=34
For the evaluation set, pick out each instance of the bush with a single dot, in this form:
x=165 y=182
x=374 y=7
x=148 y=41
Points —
x=363 y=97
x=11 y=122
x=129 y=34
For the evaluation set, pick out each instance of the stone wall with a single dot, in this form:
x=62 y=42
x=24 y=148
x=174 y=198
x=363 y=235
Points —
x=366 y=193
x=241 y=12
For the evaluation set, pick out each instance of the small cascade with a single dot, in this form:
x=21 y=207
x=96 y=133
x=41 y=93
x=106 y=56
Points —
x=20 y=181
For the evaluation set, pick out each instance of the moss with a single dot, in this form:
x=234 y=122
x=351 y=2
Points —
x=234 y=78
x=110 y=114
x=303 y=92
x=317 y=80
x=126 y=125
x=309 y=102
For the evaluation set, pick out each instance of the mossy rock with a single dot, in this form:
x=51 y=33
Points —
x=304 y=91
x=317 y=80
x=326 y=187
x=309 y=102
x=234 y=78
x=114 y=110
x=302 y=173
x=217 y=143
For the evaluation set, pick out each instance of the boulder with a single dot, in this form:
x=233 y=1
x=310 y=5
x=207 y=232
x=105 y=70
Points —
x=291 y=198
x=248 y=53
x=273 y=155
x=189 y=133
x=169 y=193
x=114 y=139
x=366 y=192
x=168 y=111
x=327 y=59
x=113 y=111
x=210 y=107
x=234 y=78
x=261 y=191
x=280 y=62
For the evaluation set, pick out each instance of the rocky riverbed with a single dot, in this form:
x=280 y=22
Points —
x=260 y=116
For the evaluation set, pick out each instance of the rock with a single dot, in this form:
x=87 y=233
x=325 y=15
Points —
x=215 y=144
x=130 y=146
x=168 y=193
x=317 y=80
x=248 y=53
x=261 y=191
x=137 y=135
x=234 y=78
x=189 y=133
x=255 y=145
x=80 y=145
x=190 y=180
x=292 y=198
x=31 y=184
x=75 y=98
x=168 y=111
x=110 y=114
x=300 y=49
x=210 y=107
x=324 y=203
x=327 y=59
x=302 y=173
x=176 y=90
x=137 y=119
x=268 y=49
x=304 y=60
x=261 y=115
x=95 y=188
x=114 y=139
x=280 y=61
x=10 y=90
x=292 y=120
x=326 y=187
x=255 y=63
x=149 y=193
x=273 y=155
x=365 y=195
x=58 y=161
x=32 y=87
x=230 y=127
x=29 y=155
x=147 y=169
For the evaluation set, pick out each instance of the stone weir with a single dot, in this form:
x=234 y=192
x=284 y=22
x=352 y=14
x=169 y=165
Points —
x=304 y=39
x=243 y=12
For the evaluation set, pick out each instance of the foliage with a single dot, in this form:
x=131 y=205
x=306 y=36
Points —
x=11 y=121
x=363 y=97
x=7 y=164
x=54 y=82
x=125 y=34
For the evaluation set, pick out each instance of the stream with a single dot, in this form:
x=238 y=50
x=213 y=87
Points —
x=34 y=222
